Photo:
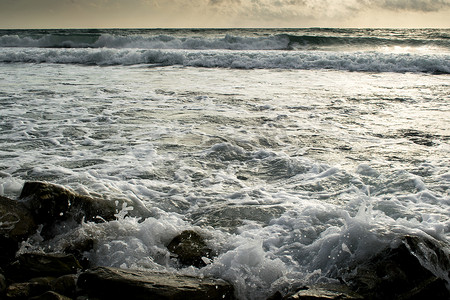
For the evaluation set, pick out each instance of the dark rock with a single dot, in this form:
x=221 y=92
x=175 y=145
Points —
x=16 y=221
x=78 y=249
x=50 y=295
x=25 y=290
x=65 y=285
x=396 y=273
x=112 y=283
x=50 y=202
x=2 y=284
x=432 y=251
x=29 y=265
x=276 y=296
x=43 y=281
x=189 y=248
x=324 y=292
x=47 y=202
x=16 y=225
x=8 y=249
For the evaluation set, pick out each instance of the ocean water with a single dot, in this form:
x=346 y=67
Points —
x=297 y=153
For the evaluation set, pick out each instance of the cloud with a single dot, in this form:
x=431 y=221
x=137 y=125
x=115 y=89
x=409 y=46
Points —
x=416 y=5
x=210 y=13
x=216 y=2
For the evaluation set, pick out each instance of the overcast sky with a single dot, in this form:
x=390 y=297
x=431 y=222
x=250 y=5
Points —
x=223 y=13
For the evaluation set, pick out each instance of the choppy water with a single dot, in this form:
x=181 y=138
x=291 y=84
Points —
x=295 y=152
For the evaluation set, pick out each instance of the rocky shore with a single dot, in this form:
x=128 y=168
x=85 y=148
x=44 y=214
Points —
x=395 y=273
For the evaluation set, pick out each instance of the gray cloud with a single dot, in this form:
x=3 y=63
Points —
x=416 y=5
x=214 y=12
x=216 y=2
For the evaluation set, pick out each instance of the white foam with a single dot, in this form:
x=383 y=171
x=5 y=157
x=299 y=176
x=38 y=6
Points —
x=293 y=194
x=146 y=42
x=350 y=61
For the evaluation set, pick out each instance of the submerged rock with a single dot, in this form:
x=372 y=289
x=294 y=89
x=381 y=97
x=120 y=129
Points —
x=397 y=273
x=113 y=283
x=29 y=265
x=190 y=249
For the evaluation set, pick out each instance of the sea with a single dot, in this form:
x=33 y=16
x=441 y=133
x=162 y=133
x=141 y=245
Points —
x=296 y=153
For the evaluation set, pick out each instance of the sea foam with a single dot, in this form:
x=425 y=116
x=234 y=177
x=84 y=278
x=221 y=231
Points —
x=349 y=61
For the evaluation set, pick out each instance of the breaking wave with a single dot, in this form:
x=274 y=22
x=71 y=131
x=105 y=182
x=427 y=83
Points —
x=350 y=61
x=162 y=41
x=218 y=40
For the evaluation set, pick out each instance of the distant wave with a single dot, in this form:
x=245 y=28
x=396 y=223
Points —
x=280 y=41
x=228 y=42
x=362 y=41
x=351 y=61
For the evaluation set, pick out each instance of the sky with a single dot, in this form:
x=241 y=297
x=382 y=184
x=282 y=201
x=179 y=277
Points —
x=223 y=13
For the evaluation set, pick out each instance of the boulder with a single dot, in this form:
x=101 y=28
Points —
x=113 y=283
x=78 y=248
x=50 y=295
x=30 y=265
x=397 y=273
x=190 y=249
x=16 y=225
x=16 y=221
x=49 y=203
x=65 y=285
x=25 y=290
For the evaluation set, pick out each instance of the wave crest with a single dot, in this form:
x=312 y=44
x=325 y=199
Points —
x=228 y=41
x=306 y=60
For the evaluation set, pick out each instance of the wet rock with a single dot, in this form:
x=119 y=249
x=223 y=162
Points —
x=25 y=290
x=78 y=249
x=190 y=249
x=397 y=274
x=113 y=283
x=276 y=296
x=432 y=251
x=43 y=281
x=8 y=248
x=324 y=292
x=2 y=284
x=50 y=295
x=29 y=265
x=16 y=225
x=65 y=285
x=16 y=221
x=50 y=203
